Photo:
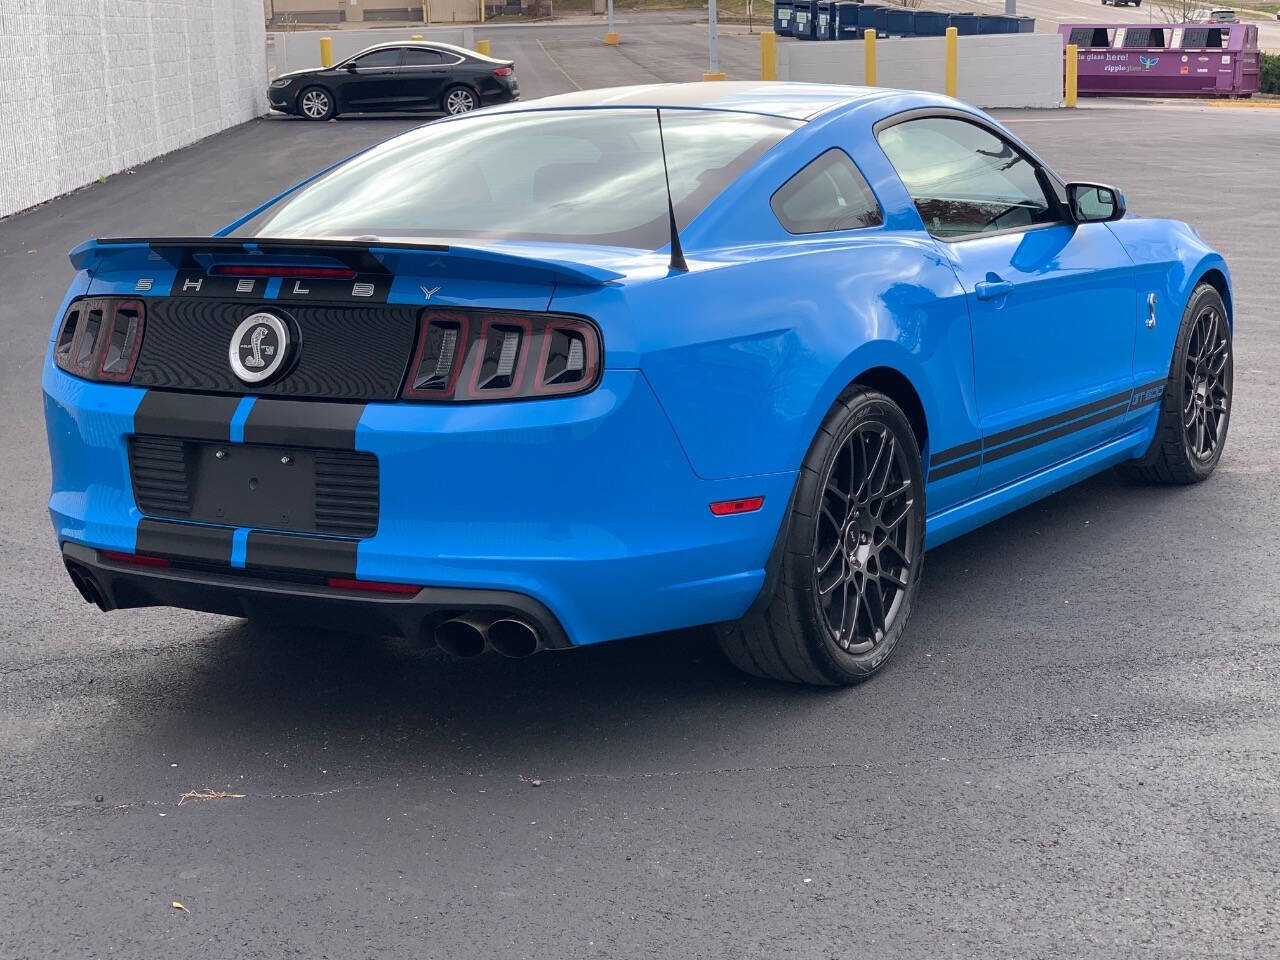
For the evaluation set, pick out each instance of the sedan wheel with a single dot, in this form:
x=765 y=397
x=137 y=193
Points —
x=459 y=100
x=316 y=104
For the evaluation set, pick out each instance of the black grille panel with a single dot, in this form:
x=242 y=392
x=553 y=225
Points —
x=346 y=494
x=292 y=489
x=161 y=486
x=343 y=352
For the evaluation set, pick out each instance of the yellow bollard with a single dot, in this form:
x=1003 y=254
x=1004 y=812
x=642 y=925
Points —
x=1072 y=79
x=416 y=36
x=869 y=42
x=715 y=76
x=482 y=46
x=768 y=56
x=611 y=38
x=952 y=63
x=326 y=52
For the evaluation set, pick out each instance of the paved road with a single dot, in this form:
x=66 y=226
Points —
x=1073 y=755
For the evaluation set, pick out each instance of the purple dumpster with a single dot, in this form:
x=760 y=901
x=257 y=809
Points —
x=1165 y=60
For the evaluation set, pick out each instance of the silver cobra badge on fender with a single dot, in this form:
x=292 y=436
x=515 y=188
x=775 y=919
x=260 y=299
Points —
x=259 y=347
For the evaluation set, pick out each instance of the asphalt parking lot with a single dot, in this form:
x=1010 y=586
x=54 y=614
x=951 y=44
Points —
x=1073 y=754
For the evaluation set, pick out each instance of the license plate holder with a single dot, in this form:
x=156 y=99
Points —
x=253 y=486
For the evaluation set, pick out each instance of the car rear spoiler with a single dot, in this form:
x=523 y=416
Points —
x=377 y=255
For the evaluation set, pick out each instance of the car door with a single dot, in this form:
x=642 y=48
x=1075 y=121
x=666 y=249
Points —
x=423 y=73
x=369 y=81
x=1051 y=303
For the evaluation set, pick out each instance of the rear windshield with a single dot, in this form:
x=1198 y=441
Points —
x=578 y=176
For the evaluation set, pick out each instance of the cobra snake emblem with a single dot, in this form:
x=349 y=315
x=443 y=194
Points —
x=254 y=360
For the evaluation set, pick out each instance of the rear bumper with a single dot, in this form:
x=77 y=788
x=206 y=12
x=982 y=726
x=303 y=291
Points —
x=586 y=506
x=114 y=585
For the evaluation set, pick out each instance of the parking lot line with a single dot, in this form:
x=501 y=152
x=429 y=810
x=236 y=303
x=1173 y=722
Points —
x=556 y=63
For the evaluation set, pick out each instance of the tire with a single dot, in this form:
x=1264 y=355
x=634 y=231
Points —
x=1195 y=410
x=316 y=103
x=459 y=99
x=858 y=504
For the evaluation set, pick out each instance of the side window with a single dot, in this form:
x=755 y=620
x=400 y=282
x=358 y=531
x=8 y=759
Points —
x=964 y=179
x=420 y=57
x=379 y=58
x=827 y=194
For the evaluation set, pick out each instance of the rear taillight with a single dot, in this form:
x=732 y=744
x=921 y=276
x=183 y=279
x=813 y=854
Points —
x=503 y=72
x=100 y=337
x=466 y=355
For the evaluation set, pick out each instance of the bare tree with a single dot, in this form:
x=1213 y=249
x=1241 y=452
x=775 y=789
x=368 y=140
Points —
x=1176 y=11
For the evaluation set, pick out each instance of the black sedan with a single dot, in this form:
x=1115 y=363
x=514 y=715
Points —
x=396 y=77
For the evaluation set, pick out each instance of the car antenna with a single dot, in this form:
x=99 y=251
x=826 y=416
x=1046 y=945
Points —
x=677 y=254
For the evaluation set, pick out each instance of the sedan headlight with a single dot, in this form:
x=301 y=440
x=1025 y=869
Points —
x=283 y=82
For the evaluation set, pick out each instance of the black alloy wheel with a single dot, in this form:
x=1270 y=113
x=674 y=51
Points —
x=848 y=562
x=863 y=552
x=1206 y=384
x=1195 y=408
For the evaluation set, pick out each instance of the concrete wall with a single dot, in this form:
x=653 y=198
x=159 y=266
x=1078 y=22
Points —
x=1002 y=70
x=89 y=88
x=333 y=11
x=300 y=50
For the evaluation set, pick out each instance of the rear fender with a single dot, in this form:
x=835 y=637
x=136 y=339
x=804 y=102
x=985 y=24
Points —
x=748 y=357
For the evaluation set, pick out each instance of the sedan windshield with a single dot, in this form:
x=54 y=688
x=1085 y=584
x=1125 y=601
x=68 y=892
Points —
x=577 y=176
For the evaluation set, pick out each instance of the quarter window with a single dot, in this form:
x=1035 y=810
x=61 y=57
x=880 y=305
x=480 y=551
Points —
x=964 y=179
x=828 y=194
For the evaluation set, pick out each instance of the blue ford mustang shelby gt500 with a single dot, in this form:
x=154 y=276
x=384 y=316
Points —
x=625 y=361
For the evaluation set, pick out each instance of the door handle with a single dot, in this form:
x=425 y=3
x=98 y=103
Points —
x=992 y=289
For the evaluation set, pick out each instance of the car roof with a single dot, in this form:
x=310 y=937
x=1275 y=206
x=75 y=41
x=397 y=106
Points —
x=796 y=101
x=424 y=44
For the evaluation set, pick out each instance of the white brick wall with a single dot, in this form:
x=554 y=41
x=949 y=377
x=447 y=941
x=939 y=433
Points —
x=91 y=87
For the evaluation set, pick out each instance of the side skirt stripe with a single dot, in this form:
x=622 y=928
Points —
x=1016 y=440
x=1015 y=433
x=1065 y=430
x=951 y=453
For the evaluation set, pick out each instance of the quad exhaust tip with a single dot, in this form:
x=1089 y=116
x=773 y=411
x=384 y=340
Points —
x=469 y=636
x=513 y=638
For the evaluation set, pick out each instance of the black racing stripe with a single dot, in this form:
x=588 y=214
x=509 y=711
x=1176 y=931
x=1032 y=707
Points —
x=289 y=552
x=1151 y=386
x=959 y=466
x=185 y=541
x=951 y=453
x=1035 y=426
x=304 y=423
x=1012 y=448
x=193 y=416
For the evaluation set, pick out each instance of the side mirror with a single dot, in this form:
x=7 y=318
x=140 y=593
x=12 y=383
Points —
x=1094 y=202
x=352 y=67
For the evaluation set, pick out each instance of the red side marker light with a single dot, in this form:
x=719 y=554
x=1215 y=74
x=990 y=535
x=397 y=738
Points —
x=137 y=559
x=727 y=508
x=372 y=586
